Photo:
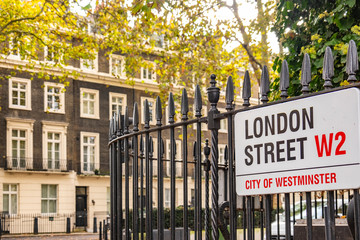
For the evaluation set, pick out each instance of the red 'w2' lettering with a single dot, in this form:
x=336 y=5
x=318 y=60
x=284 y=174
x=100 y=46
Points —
x=326 y=144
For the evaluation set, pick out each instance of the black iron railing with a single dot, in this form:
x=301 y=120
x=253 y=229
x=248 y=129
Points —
x=37 y=164
x=274 y=215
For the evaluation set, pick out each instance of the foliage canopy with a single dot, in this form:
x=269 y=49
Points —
x=306 y=26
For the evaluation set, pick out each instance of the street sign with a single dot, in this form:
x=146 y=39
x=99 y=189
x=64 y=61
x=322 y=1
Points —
x=309 y=144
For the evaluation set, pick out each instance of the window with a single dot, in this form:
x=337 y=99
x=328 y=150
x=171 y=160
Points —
x=89 y=152
x=89 y=65
x=10 y=192
x=89 y=103
x=54 y=145
x=167 y=198
x=118 y=103
x=203 y=114
x=52 y=54
x=54 y=100
x=221 y=149
x=151 y=102
x=108 y=200
x=117 y=65
x=48 y=198
x=20 y=93
x=178 y=165
x=19 y=143
x=148 y=72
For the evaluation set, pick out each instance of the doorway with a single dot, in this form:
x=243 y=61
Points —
x=81 y=206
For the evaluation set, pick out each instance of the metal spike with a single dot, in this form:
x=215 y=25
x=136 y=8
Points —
x=136 y=118
x=110 y=128
x=147 y=114
x=119 y=121
x=171 y=108
x=352 y=62
x=264 y=84
x=328 y=68
x=198 y=102
x=284 y=79
x=246 y=91
x=184 y=105
x=305 y=74
x=158 y=111
x=194 y=150
x=126 y=120
x=141 y=144
x=229 y=94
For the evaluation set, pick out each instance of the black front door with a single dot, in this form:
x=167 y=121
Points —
x=81 y=207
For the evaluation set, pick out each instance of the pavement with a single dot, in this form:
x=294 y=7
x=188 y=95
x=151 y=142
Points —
x=80 y=236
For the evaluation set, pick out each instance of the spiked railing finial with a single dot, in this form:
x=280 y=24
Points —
x=135 y=118
x=213 y=93
x=246 y=91
x=158 y=111
x=184 y=105
x=284 y=79
x=198 y=102
x=352 y=62
x=171 y=108
x=229 y=94
x=126 y=120
x=264 y=84
x=328 y=68
x=305 y=74
x=146 y=114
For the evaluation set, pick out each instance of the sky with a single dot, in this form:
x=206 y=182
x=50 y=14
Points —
x=247 y=11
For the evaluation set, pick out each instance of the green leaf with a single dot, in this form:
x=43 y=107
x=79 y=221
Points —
x=350 y=3
x=87 y=7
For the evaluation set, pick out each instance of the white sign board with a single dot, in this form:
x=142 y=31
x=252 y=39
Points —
x=309 y=144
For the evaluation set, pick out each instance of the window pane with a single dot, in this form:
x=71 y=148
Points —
x=13 y=187
x=92 y=139
x=44 y=206
x=6 y=202
x=52 y=191
x=52 y=206
x=22 y=102
x=57 y=136
x=6 y=187
x=44 y=191
x=13 y=203
x=14 y=133
x=91 y=108
x=22 y=133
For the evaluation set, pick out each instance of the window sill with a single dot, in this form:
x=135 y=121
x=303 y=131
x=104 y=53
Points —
x=20 y=108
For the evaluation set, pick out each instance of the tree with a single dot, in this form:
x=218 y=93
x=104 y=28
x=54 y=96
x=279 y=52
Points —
x=306 y=26
x=184 y=44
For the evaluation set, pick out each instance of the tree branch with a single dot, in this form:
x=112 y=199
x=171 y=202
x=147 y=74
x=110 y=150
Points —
x=24 y=18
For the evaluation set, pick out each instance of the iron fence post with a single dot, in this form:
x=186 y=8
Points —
x=171 y=110
x=135 y=173
x=214 y=125
x=160 y=213
x=126 y=161
x=100 y=230
x=207 y=207
x=198 y=203
x=118 y=179
x=184 y=112
x=147 y=169
x=230 y=152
